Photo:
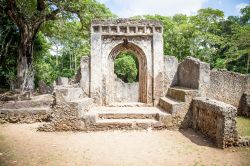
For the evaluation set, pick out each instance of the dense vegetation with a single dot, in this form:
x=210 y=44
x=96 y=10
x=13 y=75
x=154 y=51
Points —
x=209 y=36
x=63 y=27
x=126 y=67
x=61 y=41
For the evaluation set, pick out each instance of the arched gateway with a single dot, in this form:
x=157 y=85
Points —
x=108 y=39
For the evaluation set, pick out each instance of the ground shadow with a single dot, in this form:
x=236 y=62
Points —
x=197 y=138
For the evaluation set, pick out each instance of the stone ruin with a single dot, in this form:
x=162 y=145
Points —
x=169 y=94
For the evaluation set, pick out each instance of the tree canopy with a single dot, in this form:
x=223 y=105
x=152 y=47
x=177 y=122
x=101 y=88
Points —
x=59 y=35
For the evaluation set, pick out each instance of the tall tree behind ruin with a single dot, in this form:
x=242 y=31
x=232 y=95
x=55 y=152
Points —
x=29 y=17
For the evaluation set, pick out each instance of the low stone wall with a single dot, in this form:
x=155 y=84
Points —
x=228 y=86
x=67 y=113
x=126 y=92
x=63 y=118
x=215 y=119
x=25 y=115
x=244 y=141
x=36 y=109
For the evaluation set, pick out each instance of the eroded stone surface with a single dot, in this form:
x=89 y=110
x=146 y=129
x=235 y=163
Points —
x=215 y=119
x=192 y=73
x=68 y=108
x=228 y=86
x=244 y=107
x=37 y=109
x=126 y=92
x=83 y=76
x=108 y=39
x=62 y=81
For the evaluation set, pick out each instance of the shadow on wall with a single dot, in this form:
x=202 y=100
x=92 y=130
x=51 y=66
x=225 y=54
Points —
x=197 y=138
x=244 y=106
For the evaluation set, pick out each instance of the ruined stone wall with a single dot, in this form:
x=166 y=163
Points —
x=215 y=119
x=244 y=107
x=83 y=75
x=228 y=86
x=170 y=72
x=126 y=92
x=36 y=109
x=144 y=38
x=194 y=74
x=144 y=58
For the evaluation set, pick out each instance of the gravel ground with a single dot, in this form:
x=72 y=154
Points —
x=21 y=144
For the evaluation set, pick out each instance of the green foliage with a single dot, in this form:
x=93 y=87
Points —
x=28 y=7
x=8 y=49
x=126 y=67
x=69 y=32
x=44 y=63
x=245 y=18
x=67 y=73
x=223 y=43
x=209 y=36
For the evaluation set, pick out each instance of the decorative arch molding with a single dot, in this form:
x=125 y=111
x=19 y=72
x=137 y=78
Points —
x=139 y=53
x=144 y=39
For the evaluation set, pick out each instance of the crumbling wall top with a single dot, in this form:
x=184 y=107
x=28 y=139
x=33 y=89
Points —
x=135 y=22
x=126 y=27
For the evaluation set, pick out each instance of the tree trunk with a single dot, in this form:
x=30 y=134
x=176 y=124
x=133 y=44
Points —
x=25 y=74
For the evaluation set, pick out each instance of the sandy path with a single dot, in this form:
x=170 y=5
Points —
x=22 y=145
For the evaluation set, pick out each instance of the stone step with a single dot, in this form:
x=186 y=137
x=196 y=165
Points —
x=82 y=105
x=36 y=102
x=70 y=94
x=115 y=115
x=128 y=124
x=25 y=115
x=182 y=94
x=127 y=112
x=170 y=105
x=128 y=104
x=106 y=118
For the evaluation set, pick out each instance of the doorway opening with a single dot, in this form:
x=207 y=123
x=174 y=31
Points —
x=127 y=80
x=126 y=70
x=126 y=67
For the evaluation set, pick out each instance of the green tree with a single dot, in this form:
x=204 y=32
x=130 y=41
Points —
x=126 y=67
x=29 y=17
x=8 y=50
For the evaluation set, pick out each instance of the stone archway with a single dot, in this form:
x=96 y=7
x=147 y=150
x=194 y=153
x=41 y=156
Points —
x=142 y=37
x=125 y=46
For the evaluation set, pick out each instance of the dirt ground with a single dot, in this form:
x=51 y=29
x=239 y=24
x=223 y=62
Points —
x=21 y=144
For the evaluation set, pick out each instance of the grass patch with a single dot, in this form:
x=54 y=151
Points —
x=243 y=126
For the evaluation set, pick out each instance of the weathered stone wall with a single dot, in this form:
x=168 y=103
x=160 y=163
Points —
x=68 y=110
x=43 y=88
x=62 y=81
x=194 y=74
x=126 y=92
x=144 y=38
x=170 y=72
x=37 y=109
x=215 y=119
x=228 y=86
x=83 y=76
x=63 y=118
x=244 y=107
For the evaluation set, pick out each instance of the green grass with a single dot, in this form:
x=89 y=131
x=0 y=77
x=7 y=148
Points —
x=243 y=126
